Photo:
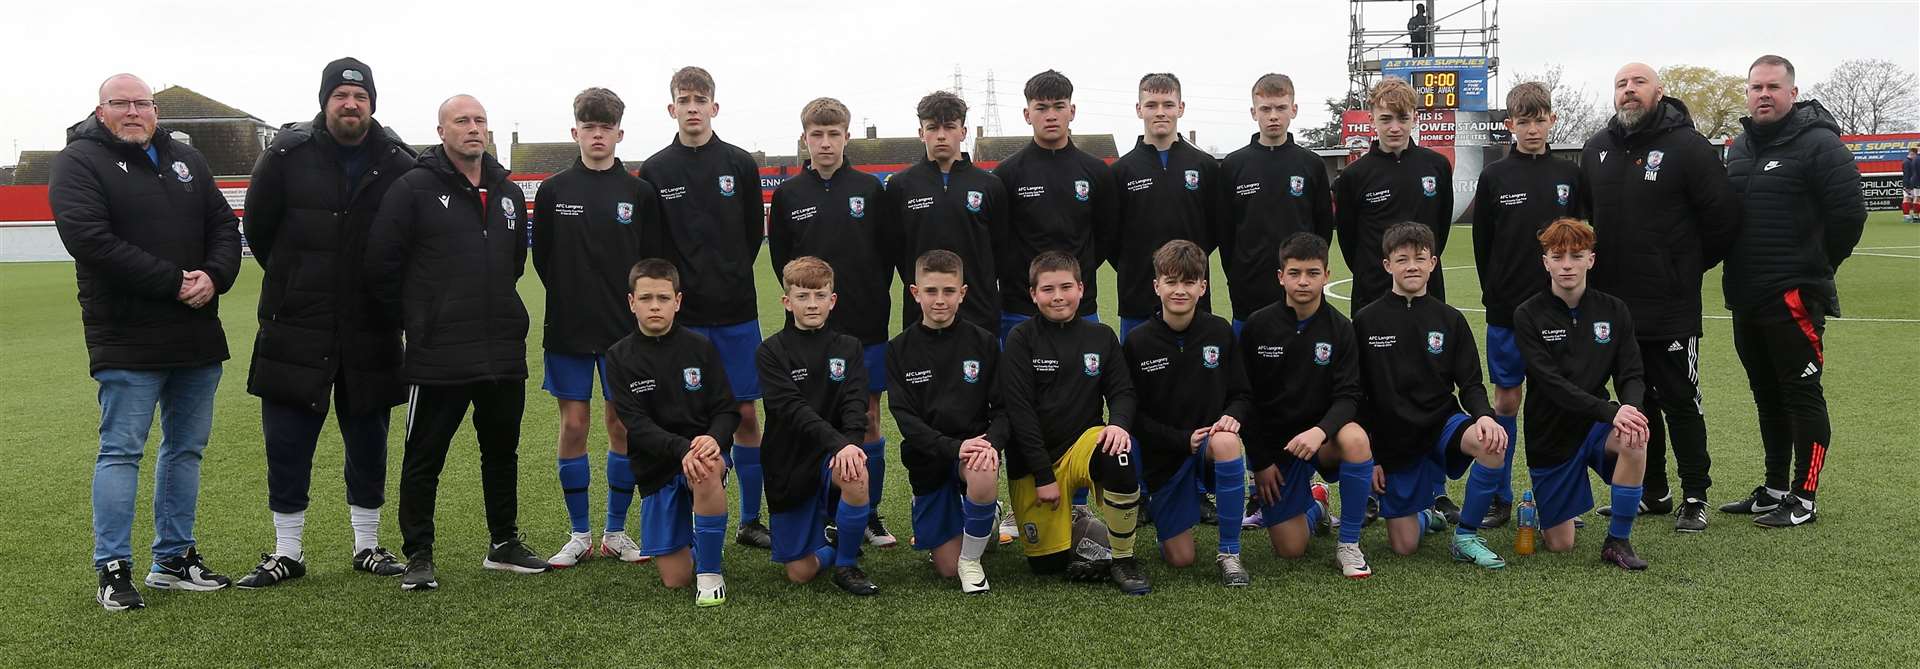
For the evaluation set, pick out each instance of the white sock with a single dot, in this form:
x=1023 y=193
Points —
x=1776 y=494
x=286 y=533
x=972 y=547
x=366 y=527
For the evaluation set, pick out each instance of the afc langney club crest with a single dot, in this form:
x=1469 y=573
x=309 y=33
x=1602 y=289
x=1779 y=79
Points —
x=857 y=206
x=181 y=172
x=974 y=200
x=1430 y=186
x=1082 y=189
x=726 y=185
x=970 y=371
x=837 y=369
x=1210 y=356
x=691 y=377
x=1090 y=363
x=1322 y=353
x=1602 y=332
x=1436 y=342
x=623 y=213
x=1193 y=179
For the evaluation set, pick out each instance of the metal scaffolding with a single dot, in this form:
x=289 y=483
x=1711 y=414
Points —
x=1471 y=30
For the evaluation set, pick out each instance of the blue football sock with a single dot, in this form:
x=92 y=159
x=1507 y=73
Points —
x=1481 y=483
x=1440 y=488
x=876 y=471
x=1422 y=517
x=1356 y=482
x=748 y=473
x=709 y=536
x=619 y=491
x=825 y=555
x=1626 y=507
x=1080 y=497
x=575 y=476
x=852 y=521
x=1512 y=425
x=979 y=517
x=1230 y=497
x=1313 y=516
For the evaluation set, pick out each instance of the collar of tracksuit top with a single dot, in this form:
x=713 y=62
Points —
x=1572 y=353
x=1047 y=211
x=1304 y=373
x=932 y=213
x=1184 y=380
x=1157 y=205
x=583 y=249
x=1060 y=379
x=1415 y=352
x=1264 y=207
x=1517 y=197
x=1389 y=188
x=795 y=444
x=715 y=232
x=849 y=242
x=941 y=393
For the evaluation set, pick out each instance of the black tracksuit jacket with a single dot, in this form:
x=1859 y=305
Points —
x=710 y=195
x=816 y=403
x=1419 y=365
x=1303 y=375
x=963 y=213
x=1571 y=354
x=1158 y=205
x=839 y=220
x=1804 y=210
x=668 y=390
x=1376 y=192
x=589 y=228
x=1184 y=381
x=942 y=389
x=1057 y=379
x=1518 y=196
x=1060 y=200
x=1271 y=193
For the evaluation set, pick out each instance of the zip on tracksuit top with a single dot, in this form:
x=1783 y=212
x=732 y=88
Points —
x=941 y=388
x=1571 y=353
x=816 y=403
x=1414 y=353
x=1061 y=200
x=710 y=195
x=1185 y=380
x=1158 y=205
x=1379 y=190
x=589 y=228
x=961 y=211
x=1271 y=193
x=1055 y=382
x=1518 y=196
x=839 y=220
x=1303 y=374
x=668 y=390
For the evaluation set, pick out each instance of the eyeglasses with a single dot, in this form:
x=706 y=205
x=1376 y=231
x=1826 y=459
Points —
x=121 y=106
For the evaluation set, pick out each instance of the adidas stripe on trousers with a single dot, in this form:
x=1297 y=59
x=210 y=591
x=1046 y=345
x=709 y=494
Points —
x=434 y=414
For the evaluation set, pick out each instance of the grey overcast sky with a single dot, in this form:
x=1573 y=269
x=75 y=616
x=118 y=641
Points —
x=525 y=60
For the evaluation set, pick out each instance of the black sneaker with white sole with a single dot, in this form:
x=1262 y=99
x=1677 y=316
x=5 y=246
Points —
x=419 y=575
x=754 y=534
x=513 y=555
x=1761 y=501
x=379 y=562
x=1793 y=512
x=1497 y=514
x=1447 y=508
x=272 y=569
x=185 y=572
x=1648 y=507
x=116 y=587
x=1692 y=516
x=1125 y=572
x=854 y=581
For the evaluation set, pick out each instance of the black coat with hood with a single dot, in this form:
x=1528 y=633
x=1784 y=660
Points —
x=1804 y=209
x=1663 y=214
x=443 y=261
x=134 y=226
x=308 y=225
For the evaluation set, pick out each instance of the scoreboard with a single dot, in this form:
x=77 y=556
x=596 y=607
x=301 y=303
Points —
x=1443 y=83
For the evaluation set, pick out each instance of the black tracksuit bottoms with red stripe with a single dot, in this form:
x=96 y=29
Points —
x=1782 y=346
x=434 y=414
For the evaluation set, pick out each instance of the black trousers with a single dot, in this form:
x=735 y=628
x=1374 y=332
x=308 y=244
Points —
x=434 y=414
x=1674 y=414
x=1782 y=345
x=293 y=432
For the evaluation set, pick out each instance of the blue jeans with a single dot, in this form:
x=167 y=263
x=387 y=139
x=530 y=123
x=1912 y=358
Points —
x=128 y=398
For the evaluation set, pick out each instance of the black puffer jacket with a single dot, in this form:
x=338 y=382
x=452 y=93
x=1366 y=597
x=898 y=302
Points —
x=132 y=228
x=308 y=227
x=1663 y=214
x=1805 y=213
x=443 y=260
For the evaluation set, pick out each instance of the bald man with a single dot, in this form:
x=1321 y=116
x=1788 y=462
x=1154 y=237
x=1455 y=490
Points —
x=447 y=248
x=1664 y=213
x=154 y=243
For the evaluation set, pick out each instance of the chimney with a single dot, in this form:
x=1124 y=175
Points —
x=979 y=131
x=1193 y=136
x=873 y=132
x=516 y=138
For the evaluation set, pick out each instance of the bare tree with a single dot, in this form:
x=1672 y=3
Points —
x=1870 y=96
x=1580 y=114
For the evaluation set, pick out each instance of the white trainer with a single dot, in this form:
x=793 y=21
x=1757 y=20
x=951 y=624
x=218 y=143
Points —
x=973 y=576
x=1353 y=563
x=578 y=548
x=619 y=545
x=710 y=590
